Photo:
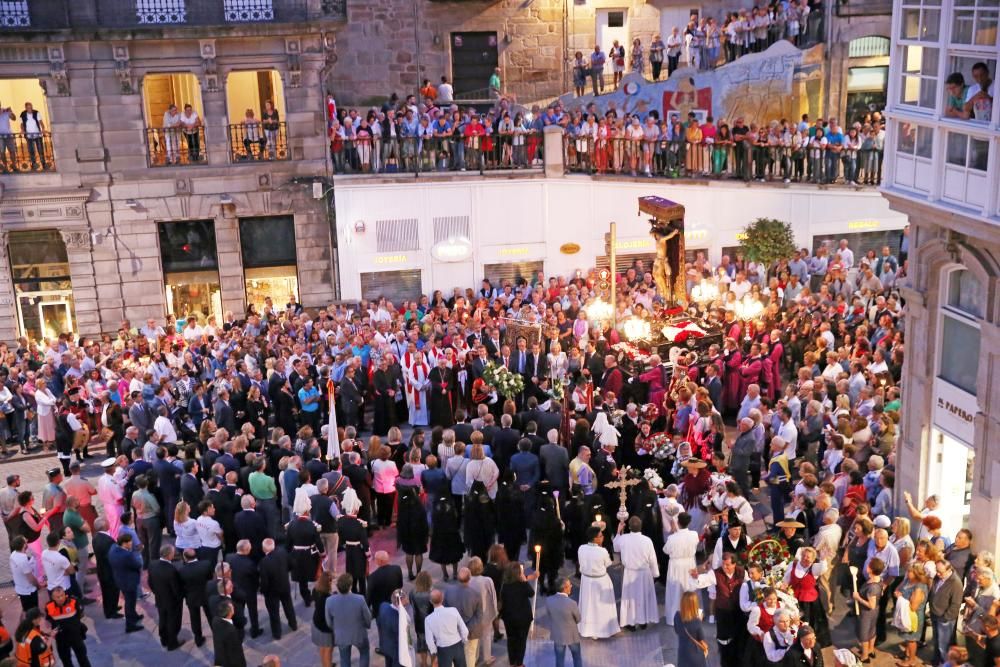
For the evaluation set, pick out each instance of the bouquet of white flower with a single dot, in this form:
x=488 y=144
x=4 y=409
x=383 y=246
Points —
x=506 y=383
x=653 y=477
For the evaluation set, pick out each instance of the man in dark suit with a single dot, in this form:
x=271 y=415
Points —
x=126 y=565
x=226 y=639
x=349 y=617
x=462 y=428
x=130 y=441
x=141 y=416
x=550 y=419
x=191 y=491
x=361 y=482
x=195 y=574
x=350 y=398
x=105 y=576
x=224 y=417
x=208 y=459
x=531 y=433
x=385 y=579
x=554 y=460
x=165 y=583
x=276 y=588
x=804 y=652
x=492 y=344
x=251 y=525
x=246 y=583
x=168 y=480
x=505 y=443
x=593 y=361
x=199 y=408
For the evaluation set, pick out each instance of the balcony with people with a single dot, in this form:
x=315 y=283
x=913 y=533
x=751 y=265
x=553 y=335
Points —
x=25 y=139
x=256 y=131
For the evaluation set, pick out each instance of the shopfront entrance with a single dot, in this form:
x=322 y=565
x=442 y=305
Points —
x=950 y=478
x=40 y=272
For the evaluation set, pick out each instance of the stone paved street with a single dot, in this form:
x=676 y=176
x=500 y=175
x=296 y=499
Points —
x=109 y=645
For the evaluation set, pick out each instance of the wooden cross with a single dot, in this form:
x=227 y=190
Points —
x=622 y=484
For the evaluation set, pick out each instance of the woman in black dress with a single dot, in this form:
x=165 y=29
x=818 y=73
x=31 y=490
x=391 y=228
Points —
x=479 y=520
x=446 y=541
x=411 y=526
x=304 y=544
x=256 y=412
x=515 y=610
x=495 y=567
x=547 y=531
x=322 y=635
x=511 y=532
x=420 y=600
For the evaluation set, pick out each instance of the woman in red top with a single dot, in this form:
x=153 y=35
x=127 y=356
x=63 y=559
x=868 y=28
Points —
x=801 y=577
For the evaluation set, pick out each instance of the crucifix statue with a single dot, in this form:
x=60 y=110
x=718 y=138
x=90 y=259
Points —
x=622 y=484
x=666 y=226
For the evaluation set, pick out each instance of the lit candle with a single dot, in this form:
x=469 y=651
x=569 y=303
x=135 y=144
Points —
x=597 y=519
x=538 y=548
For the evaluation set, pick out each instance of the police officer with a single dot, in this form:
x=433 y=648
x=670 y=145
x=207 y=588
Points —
x=64 y=613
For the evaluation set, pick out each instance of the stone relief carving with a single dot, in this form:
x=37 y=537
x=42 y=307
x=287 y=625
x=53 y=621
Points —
x=76 y=239
x=209 y=66
x=123 y=70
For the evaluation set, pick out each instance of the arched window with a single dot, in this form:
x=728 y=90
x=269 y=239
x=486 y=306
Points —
x=959 y=345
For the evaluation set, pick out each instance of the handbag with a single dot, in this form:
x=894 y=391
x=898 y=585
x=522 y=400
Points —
x=702 y=645
x=904 y=619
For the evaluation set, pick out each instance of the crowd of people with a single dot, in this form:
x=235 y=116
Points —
x=223 y=482
x=704 y=43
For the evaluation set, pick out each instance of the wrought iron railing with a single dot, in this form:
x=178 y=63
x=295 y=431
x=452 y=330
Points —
x=258 y=141
x=437 y=154
x=742 y=160
x=169 y=147
x=28 y=15
x=24 y=153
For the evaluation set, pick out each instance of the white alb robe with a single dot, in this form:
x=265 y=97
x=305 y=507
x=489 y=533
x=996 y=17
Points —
x=681 y=547
x=113 y=498
x=417 y=386
x=638 y=555
x=598 y=612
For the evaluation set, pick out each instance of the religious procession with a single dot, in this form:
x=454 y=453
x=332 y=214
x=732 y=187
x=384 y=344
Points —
x=520 y=474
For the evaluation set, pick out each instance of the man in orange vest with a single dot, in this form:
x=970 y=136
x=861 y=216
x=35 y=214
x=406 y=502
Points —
x=65 y=613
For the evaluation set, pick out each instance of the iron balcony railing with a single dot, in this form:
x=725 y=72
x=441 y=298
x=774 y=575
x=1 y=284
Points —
x=743 y=160
x=436 y=154
x=258 y=141
x=42 y=15
x=167 y=147
x=24 y=153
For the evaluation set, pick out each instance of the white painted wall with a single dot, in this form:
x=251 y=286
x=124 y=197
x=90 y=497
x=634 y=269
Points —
x=529 y=219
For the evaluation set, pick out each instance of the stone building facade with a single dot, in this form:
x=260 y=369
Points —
x=391 y=46
x=943 y=172
x=100 y=221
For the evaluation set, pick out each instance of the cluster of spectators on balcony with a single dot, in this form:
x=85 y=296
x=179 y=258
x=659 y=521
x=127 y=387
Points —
x=781 y=149
x=434 y=135
x=182 y=135
x=700 y=44
x=24 y=150
x=970 y=102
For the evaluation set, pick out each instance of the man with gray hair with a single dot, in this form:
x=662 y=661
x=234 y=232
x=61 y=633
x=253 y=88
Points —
x=741 y=453
x=469 y=604
x=555 y=462
x=826 y=542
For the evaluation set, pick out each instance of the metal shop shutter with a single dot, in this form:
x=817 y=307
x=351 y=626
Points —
x=396 y=286
x=626 y=262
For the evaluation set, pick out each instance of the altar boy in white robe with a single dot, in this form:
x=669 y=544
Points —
x=416 y=370
x=638 y=555
x=681 y=547
x=598 y=612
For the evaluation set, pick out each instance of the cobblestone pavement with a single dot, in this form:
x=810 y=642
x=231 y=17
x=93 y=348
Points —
x=108 y=644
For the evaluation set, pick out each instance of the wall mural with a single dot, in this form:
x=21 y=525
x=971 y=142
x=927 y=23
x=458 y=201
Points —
x=760 y=87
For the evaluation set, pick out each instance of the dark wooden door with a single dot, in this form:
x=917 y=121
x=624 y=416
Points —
x=474 y=56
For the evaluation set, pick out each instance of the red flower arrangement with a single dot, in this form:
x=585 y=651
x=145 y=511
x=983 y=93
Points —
x=650 y=412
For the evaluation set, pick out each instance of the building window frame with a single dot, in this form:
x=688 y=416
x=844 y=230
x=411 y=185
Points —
x=957 y=316
x=972 y=13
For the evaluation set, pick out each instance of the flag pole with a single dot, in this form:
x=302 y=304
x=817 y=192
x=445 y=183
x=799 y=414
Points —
x=332 y=436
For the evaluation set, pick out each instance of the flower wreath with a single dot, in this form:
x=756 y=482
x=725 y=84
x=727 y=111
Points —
x=660 y=445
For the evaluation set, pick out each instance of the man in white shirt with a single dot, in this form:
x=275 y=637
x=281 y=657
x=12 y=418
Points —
x=165 y=428
x=445 y=632
x=56 y=566
x=446 y=93
x=172 y=135
x=741 y=286
x=846 y=255
x=788 y=433
x=209 y=532
x=192 y=332
x=22 y=570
